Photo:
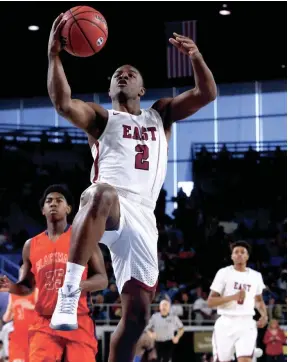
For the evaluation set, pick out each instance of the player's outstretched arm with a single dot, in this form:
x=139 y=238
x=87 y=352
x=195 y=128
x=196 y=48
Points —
x=26 y=283
x=97 y=277
x=189 y=102
x=87 y=116
x=261 y=307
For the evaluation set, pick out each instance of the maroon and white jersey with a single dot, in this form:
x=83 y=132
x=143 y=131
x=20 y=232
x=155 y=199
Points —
x=229 y=281
x=131 y=154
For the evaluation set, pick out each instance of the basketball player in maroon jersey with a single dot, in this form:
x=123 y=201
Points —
x=118 y=207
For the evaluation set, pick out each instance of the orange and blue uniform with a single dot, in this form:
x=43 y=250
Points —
x=48 y=259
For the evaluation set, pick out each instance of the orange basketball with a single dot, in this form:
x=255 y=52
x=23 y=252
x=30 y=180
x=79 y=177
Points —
x=85 y=30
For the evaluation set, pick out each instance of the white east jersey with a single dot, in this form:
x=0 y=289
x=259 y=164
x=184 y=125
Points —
x=229 y=281
x=131 y=154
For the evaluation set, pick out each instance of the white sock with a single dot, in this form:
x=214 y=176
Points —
x=73 y=277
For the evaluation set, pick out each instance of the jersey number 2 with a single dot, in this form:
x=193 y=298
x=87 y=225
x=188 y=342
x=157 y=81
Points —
x=141 y=157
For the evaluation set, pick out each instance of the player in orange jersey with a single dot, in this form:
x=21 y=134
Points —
x=44 y=265
x=21 y=310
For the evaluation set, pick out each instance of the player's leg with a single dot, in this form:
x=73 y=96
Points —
x=152 y=355
x=100 y=210
x=222 y=343
x=135 y=301
x=245 y=344
x=17 y=348
x=140 y=348
x=44 y=347
x=81 y=345
x=75 y=352
x=144 y=349
x=26 y=349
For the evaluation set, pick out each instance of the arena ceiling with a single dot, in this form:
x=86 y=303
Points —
x=250 y=44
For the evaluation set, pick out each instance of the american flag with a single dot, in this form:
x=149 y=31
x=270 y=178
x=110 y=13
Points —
x=178 y=64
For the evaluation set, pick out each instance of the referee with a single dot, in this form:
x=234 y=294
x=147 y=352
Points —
x=162 y=328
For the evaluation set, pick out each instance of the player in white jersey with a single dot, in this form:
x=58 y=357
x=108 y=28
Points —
x=236 y=291
x=129 y=146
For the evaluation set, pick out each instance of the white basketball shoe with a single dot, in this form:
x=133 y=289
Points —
x=64 y=317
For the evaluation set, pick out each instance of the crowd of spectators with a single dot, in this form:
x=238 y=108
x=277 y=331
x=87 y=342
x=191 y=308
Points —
x=233 y=198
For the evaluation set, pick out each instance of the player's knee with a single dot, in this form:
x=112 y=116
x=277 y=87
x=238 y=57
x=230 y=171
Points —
x=244 y=359
x=102 y=199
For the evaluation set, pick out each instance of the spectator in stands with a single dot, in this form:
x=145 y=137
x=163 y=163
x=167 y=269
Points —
x=112 y=294
x=282 y=281
x=203 y=314
x=185 y=301
x=224 y=155
x=116 y=310
x=251 y=157
x=99 y=311
x=284 y=310
x=197 y=225
x=177 y=308
x=274 y=311
x=274 y=339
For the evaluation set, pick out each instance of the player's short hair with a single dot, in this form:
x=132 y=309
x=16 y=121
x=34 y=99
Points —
x=61 y=189
x=242 y=244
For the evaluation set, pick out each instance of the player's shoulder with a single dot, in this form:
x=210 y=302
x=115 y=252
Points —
x=225 y=270
x=27 y=244
x=153 y=112
x=36 y=239
x=162 y=104
x=38 y=236
x=67 y=231
x=99 y=110
x=255 y=273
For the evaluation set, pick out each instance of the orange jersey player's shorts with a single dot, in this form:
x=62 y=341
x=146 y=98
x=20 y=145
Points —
x=47 y=345
x=18 y=346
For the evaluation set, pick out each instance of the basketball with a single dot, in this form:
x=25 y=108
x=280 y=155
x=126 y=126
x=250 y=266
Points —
x=85 y=31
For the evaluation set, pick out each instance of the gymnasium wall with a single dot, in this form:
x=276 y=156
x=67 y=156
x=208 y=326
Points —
x=243 y=112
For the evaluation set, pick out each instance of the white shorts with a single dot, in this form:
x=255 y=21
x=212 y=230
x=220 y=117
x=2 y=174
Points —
x=234 y=335
x=133 y=247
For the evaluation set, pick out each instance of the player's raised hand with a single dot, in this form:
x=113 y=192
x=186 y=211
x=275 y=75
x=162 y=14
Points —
x=5 y=283
x=56 y=42
x=184 y=45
